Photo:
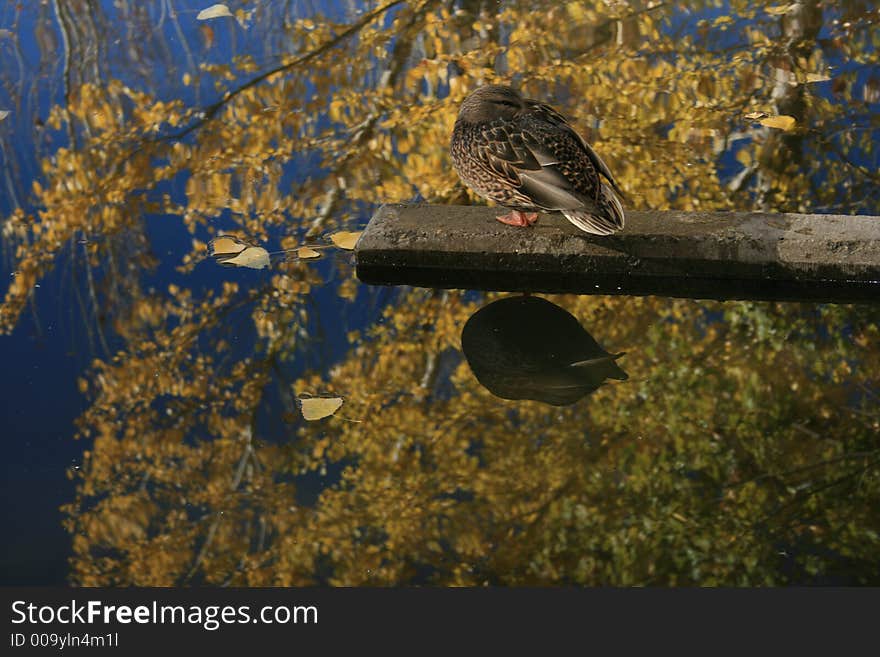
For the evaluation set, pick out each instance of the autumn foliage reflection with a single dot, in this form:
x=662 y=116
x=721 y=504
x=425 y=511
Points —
x=743 y=448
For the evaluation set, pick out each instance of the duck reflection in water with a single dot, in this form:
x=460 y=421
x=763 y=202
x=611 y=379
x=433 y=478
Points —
x=526 y=347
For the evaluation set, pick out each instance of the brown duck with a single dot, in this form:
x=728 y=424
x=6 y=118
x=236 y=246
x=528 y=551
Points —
x=524 y=155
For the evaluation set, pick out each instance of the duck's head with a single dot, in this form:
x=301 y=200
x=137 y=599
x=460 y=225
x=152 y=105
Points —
x=494 y=101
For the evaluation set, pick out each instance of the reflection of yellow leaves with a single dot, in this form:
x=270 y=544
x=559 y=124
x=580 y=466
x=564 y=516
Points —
x=754 y=116
x=214 y=11
x=781 y=122
x=317 y=408
x=816 y=77
x=3 y=114
x=346 y=239
x=305 y=253
x=780 y=9
x=243 y=17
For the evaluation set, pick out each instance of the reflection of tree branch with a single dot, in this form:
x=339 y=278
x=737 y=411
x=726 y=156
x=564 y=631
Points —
x=7 y=171
x=868 y=390
x=172 y=12
x=427 y=382
x=363 y=132
x=609 y=22
x=331 y=200
x=218 y=515
x=65 y=39
x=429 y=378
x=872 y=175
x=94 y=299
x=212 y=531
x=261 y=538
x=544 y=506
x=78 y=295
x=805 y=468
x=742 y=179
x=211 y=110
x=810 y=492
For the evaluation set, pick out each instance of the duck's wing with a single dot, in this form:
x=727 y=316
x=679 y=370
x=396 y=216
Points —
x=570 y=168
x=554 y=117
x=503 y=150
x=538 y=169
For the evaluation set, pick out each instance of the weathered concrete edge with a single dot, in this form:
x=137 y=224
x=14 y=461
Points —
x=724 y=255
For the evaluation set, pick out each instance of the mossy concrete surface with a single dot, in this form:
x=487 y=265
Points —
x=719 y=255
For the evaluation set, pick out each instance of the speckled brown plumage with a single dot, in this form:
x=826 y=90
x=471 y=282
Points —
x=524 y=155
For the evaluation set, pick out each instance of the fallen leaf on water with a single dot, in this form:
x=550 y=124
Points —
x=317 y=408
x=346 y=239
x=3 y=114
x=214 y=11
x=226 y=245
x=754 y=116
x=253 y=257
x=782 y=122
x=304 y=253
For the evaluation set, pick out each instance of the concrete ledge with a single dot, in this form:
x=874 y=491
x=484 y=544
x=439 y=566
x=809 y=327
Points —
x=716 y=255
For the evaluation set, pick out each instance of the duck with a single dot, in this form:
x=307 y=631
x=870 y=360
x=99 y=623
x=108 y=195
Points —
x=524 y=155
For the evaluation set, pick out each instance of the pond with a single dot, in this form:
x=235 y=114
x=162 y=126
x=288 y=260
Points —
x=171 y=421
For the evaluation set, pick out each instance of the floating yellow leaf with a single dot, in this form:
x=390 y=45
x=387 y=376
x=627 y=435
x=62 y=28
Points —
x=214 y=11
x=316 y=408
x=226 y=245
x=346 y=239
x=3 y=114
x=754 y=116
x=304 y=253
x=253 y=257
x=782 y=122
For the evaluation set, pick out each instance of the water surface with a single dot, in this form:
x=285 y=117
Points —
x=153 y=416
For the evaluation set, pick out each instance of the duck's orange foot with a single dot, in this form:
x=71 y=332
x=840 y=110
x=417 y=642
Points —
x=517 y=218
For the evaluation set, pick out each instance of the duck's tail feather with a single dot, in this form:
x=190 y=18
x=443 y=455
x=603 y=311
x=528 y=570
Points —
x=606 y=219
